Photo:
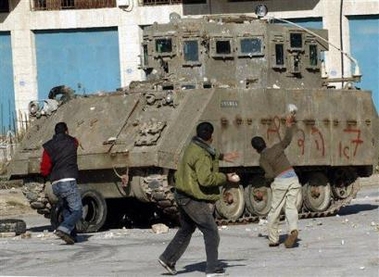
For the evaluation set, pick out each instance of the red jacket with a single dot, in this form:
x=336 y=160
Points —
x=54 y=159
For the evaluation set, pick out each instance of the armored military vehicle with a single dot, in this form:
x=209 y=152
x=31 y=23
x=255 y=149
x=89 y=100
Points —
x=237 y=72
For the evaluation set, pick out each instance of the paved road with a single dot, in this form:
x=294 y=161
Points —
x=343 y=245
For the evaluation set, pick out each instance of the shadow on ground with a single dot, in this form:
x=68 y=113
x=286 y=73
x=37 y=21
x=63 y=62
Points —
x=201 y=266
x=357 y=208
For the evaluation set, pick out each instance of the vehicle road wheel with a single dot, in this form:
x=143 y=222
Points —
x=343 y=181
x=232 y=204
x=94 y=213
x=13 y=225
x=258 y=196
x=317 y=193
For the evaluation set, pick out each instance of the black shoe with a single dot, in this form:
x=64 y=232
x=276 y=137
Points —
x=217 y=272
x=170 y=268
x=64 y=236
x=273 y=244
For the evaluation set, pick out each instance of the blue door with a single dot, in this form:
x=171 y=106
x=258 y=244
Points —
x=7 y=105
x=87 y=60
x=364 y=41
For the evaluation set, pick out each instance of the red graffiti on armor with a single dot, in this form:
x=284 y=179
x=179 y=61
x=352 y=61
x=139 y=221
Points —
x=344 y=150
x=320 y=144
x=301 y=141
x=275 y=129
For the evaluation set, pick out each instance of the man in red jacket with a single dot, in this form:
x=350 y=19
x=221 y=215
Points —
x=59 y=163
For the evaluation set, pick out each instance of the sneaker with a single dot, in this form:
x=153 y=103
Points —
x=217 y=272
x=291 y=239
x=170 y=268
x=66 y=237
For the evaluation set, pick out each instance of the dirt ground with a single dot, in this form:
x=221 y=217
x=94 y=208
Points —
x=13 y=203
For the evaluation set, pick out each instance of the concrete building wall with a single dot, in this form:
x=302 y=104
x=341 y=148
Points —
x=22 y=21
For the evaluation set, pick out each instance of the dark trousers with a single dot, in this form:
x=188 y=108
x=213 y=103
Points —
x=194 y=213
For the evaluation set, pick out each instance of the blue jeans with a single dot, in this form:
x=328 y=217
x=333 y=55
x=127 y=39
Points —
x=69 y=196
x=194 y=213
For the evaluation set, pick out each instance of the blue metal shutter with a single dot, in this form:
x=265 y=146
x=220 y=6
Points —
x=364 y=42
x=7 y=99
x=87 y=60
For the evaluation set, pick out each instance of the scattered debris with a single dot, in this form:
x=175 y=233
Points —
x=159 y=228
x=262 y=221
x=7 y=234
x=26 y=235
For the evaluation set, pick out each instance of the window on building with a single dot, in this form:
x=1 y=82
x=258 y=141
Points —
x=4 y=6
x=72 y=4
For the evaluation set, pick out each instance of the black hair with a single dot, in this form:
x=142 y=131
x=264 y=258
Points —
x=258 y=144
x=204 y=131
x=60 y=128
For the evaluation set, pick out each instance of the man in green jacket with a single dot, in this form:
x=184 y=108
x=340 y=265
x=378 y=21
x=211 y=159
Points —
x=197 y=183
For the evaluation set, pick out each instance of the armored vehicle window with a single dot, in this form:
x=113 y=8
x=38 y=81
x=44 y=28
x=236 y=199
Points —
x=188 y=86
x=250 y=47
x=279 y=55
x=296 y=41
x=163 y=45
x=313 y=56
x=191 y=50
x=221 y=47
x=145 y=55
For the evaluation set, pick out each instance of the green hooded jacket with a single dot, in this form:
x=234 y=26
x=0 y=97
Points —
x=197 y=175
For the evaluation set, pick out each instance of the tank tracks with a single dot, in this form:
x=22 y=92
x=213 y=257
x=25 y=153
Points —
x=165 y=201
x=333 y=209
